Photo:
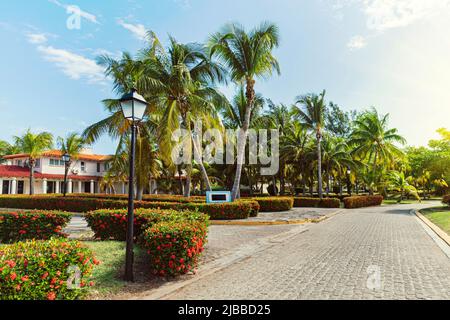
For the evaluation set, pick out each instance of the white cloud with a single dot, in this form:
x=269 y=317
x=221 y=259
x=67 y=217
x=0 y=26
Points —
x=357 y=42
x=73 y=65
x=37 y=38
x=72 y=8
x=382 y=15
x=138 y=30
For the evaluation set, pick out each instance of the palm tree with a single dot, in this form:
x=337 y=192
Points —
x=6 y=149
x=72 y=145
x=310 y=110
x=34 y=145
x=247 y=55
x=187 y=95
x=375 y=142
x=400 y=183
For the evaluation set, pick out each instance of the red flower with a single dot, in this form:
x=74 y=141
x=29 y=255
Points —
x=22 y=232
x=51 y=296
x=45 y=275
x=25 y=278
x=181 y=260
x=13 y=276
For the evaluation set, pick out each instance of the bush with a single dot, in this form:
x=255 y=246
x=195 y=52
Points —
x=274 y=204
x=446 y=200
x=145 y=197
x=235 y=210
x=174 y=247
x=304 y=202
x=40 y=270
x=112 y=224
x=38 y=225
x=362 y=201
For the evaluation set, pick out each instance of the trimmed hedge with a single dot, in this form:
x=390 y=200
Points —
x=305 y=202
x=145 y=197
x=235 y=210
x=362 y=201
x=446 y=199
x=174 y=247
x=38 y=225
x=112 y=224
x=274 y=204
x=44 y=270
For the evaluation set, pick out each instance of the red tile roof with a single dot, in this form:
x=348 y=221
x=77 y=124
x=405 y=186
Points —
x=22 y=172
x=58 y=154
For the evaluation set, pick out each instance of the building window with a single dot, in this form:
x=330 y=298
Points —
x=83 y=166
x=19 y=163
x=106 y=166
x=37 y=164
x=56 y=162
x=98 y=166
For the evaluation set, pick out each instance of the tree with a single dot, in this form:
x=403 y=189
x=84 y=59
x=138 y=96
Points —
x=375 y=142
x=247 y=55
x=310 y=110
x=337 y=121
x=400 y=183
x=34 y=145
x=72 y=145
x=6 y=149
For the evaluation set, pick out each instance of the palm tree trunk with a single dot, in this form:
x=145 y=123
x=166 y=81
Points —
x=31 y=164
x=187 y=186
x=200 y=163
x=242 y=138
x=180 y=180
x=319 y=164
x=371 y=190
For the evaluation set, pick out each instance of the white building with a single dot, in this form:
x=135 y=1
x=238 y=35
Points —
x=85 y=173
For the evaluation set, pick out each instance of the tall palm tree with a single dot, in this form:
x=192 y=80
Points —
x=72 y=145
x=310 y=109
x=34 y=145
x=247 y=55
x=401 y=184
x=187 y=95
x=375 y=142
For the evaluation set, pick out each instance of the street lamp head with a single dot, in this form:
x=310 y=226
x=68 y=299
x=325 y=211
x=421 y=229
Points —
x=65 y=157
x=133 y=106
x=349 y=171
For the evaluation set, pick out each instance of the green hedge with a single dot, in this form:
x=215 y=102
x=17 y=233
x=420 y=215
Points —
x=362 y=201
x=146 y=197
x=305 y=202
x=174 y=247
x=274 y=204
x=225 y=211
x=112 y=224
x=42 y=270
x=38 y=225
x=446 y=199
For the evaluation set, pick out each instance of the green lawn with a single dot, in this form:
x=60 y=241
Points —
x=108 y=275
x=395 y=201
x=440 y=216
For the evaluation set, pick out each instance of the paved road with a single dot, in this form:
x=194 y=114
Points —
x=372 y=253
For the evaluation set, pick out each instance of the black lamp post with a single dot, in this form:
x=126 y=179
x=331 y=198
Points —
x=133 y=108
x=349 y=183
x=66 y=159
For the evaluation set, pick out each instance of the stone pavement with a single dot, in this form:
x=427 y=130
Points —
x=372 y=253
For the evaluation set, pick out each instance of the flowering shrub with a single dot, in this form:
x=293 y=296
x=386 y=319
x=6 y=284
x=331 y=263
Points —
x=274 y=204
x=225 y=211
x=174 y=247
x=39 y=225
x=362 y=201
x=446 y=200
x=145 y=197
x=56 y=269
x=112 y=224
x=304 y=202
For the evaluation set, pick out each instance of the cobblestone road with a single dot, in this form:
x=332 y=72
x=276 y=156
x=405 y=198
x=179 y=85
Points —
x=337 y=259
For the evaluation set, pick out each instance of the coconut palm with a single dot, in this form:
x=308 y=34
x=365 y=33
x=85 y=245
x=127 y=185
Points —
x=72 y=145
x=310 y=109
x=34 y=145
x=7 y=149
x=399 y=183
x=187 y=95
x=375 y=142
x=247 y=55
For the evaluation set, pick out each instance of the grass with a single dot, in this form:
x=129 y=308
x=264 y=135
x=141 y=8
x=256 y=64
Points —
x=108 y=275
x=395 y=201
x=440 y=216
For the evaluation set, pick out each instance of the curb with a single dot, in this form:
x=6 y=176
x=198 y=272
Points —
x=438 y=231
x=271 y=223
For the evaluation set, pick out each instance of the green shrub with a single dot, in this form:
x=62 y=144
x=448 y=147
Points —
x=362 y=201
x=38 y=225
x=174 y=247
x=42 y=270
x=146 y=197
x=274 y=204
x=224 y=211
x=305 y=202
x=112 y=224
x=446 y=200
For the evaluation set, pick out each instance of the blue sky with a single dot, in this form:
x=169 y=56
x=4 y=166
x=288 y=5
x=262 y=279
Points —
x=392 y=54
